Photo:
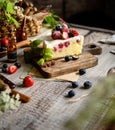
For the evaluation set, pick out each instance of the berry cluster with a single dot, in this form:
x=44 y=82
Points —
x=62 y=31
x=11 y=68
x=75 y=84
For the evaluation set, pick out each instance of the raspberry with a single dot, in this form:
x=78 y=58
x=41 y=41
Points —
x=65 y=28
x=60 y=45
x=54 y=49
x=56 y=34
x=74 y=32
x=65 y=35
x=66 y=44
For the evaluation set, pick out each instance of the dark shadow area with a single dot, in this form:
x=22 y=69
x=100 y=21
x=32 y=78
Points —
x=93 y=19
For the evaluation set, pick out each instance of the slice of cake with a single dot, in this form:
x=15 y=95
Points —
x=57 y=43
x=62 y=48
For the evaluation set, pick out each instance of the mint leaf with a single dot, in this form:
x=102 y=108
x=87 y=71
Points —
x=35 y=43
x=51 y=21
x=41 y=61
x=48 y=50
x=9 y=8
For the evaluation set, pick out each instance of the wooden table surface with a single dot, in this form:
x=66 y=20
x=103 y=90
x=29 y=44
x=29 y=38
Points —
x=49 y=108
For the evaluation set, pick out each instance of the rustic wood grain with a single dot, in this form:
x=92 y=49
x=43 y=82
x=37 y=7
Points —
x=48 y=108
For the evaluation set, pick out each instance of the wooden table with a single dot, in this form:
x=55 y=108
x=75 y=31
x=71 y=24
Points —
x=49 y=108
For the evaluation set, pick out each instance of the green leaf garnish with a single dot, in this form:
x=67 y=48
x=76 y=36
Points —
x=35 y=43
x=52 y=20
x=44 y=53
x=41 y=61
x=10 y=8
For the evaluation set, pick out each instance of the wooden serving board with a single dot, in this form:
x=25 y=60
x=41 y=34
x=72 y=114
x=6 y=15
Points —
x=61 y=67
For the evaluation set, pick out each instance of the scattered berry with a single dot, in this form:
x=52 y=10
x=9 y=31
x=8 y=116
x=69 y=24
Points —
x=65 y=35
x=12 y=69
x=75 y=84
x=28 y=81
x=4 y=69
x=56 y=34
x=5 y=66
x=18 y=64
x=58 y=27
x=67 y=58
x=82 y=71
x=87 y=84
x=71 y=93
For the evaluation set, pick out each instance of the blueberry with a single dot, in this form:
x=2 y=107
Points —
x=75 y=84
x=5 y=65
x=87 y=84
x=58 y=27
x=82 y=71
x=4 y=70
x=18 y=64
x=71 y=93
x=67 y=58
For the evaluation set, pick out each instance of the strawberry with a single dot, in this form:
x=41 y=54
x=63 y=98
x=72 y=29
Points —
x=65 y=28
x=74 y=32
x=65 y=35
x=12 y=69
x=28 y=81
x=56 y=34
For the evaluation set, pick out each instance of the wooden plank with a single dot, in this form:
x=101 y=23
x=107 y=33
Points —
x=86 y=60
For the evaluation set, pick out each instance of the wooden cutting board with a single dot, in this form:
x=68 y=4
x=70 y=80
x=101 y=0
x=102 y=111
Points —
x=61 y=67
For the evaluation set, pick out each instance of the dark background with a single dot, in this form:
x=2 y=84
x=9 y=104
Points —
x=95 y=13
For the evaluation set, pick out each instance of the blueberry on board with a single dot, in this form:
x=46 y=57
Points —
x=82 y=71
x=58 y=27
x=87 y=84
x=75 y=84
x=71 y=93
x=67 y=58
x=18 y=64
